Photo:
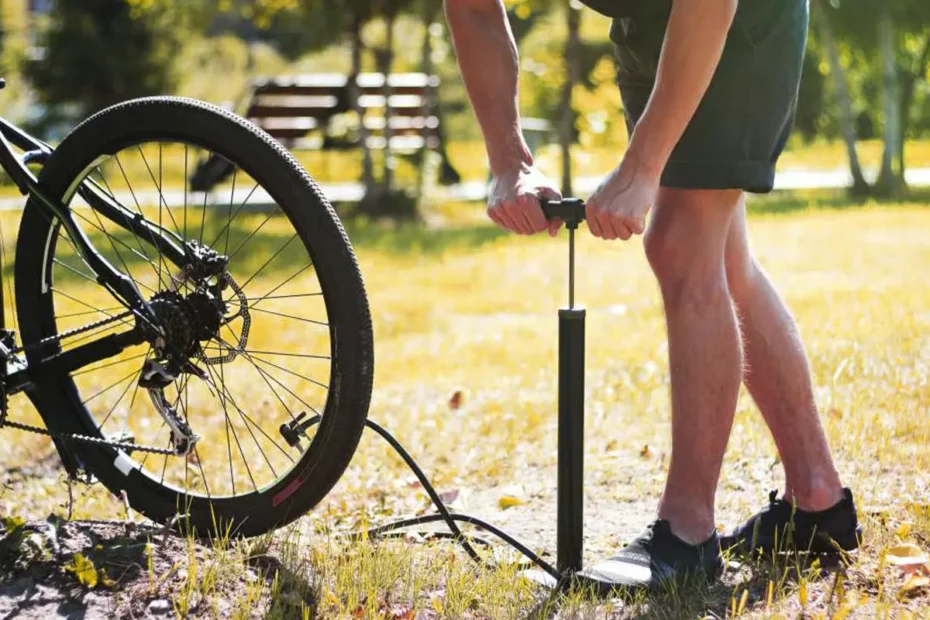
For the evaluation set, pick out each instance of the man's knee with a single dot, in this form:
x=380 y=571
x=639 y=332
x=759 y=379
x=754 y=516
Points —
x=688 y=272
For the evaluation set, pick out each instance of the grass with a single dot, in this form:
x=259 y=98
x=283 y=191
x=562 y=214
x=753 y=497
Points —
x=465 y=377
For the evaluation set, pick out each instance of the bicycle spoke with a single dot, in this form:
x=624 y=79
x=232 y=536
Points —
x=142 y=215
x=113 y=241
x=246 y=419
x=290 y=372
x=226 y=227
x=115 y=405
x=110 y=387
x=288 y=316
x=158 y=186
x=185 y=177
x=268 y=262
x=86 y=312
x=252 y=234
x=75 y=270
x=110 y=237
x=282 y=297
x=233 y=428
x=95 y=368
x=282 y=284
x=232 y=195
x=264 y=374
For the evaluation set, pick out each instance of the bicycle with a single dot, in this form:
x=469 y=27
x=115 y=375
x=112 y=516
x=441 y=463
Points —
x=180 y=344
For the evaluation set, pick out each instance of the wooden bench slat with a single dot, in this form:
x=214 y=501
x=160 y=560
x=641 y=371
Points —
x=262 y=111
x=328 y=83
x=398 y=123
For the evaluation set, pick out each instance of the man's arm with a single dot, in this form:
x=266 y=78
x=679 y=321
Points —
x=694 y=41
x=488 y=61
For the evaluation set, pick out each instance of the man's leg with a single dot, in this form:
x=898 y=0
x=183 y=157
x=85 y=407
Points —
x=778 y=377
x=685 y=245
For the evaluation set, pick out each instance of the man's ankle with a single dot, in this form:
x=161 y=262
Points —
x=816 y=495
x=688 y=525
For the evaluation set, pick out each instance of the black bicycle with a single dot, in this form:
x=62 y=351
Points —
x=180 y=339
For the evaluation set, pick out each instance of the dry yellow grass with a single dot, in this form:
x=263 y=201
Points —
x=477 y=314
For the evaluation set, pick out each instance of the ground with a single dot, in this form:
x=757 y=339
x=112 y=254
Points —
x=465 y=333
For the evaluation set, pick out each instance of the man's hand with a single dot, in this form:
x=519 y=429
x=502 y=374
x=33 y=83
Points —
x=619 y=205
x=513 y=200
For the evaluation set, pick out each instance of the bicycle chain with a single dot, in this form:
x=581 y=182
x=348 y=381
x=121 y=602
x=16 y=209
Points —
x=74 y=437
x=74 y=332
x=128 y=447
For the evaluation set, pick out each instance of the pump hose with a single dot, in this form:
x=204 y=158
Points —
x=443 y=513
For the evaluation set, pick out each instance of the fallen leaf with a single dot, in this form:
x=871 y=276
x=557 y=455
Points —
x=11 y=524
x=919 y=510
x=401 y=612
x=904 y=529
x=509 y=501
x=912 y=585
x=456 y=401
x=332 y=599
x=448 y=497
x=908 y=557
x=83 y=569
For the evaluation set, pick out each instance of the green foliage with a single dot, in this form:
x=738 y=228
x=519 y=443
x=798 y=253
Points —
x=100 y=52
x=809 y=121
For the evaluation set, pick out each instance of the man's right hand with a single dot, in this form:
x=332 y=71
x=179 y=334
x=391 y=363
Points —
x=513 y=200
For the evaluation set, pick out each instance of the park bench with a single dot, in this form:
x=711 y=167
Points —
x=301 y=112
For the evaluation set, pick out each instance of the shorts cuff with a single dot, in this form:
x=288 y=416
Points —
x=751 y=176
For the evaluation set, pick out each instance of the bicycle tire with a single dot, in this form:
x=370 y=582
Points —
x=350 y=381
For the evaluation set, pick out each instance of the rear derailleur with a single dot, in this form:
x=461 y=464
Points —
x=155 y=378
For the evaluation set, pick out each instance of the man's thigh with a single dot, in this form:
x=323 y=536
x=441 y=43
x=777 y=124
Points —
x=691 y=222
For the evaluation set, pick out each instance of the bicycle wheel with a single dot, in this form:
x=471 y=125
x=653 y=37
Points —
x=268 y=324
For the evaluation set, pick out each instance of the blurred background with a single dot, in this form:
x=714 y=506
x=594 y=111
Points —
x=862 y=125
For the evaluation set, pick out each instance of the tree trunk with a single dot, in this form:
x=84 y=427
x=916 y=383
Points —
x=888 y=181
x=844 y=102
x=368 y=175
x=572 y=77
x=908 y=83
x=429 y=109
x=386 y=58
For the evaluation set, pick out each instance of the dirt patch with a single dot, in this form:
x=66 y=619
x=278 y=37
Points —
x=100 y=569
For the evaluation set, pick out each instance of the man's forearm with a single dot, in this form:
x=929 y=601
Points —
x=694 y=41
x=487 y=57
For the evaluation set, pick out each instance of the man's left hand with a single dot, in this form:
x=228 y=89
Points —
x=618 y=207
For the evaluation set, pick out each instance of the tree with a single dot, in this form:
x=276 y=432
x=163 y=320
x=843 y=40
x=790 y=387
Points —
x=897 y=33
x=99 y=53
x=844 y=101
x=567 y=114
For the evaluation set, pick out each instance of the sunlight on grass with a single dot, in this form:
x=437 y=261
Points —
x=476 y=314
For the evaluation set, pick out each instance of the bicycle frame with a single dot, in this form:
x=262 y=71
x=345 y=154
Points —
x=118 y=284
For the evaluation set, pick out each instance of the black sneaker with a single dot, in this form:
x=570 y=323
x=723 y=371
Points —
x=652 y=558
x=780 y=526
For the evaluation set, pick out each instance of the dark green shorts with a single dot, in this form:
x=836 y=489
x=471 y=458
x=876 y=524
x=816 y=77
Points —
x=743 y=122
